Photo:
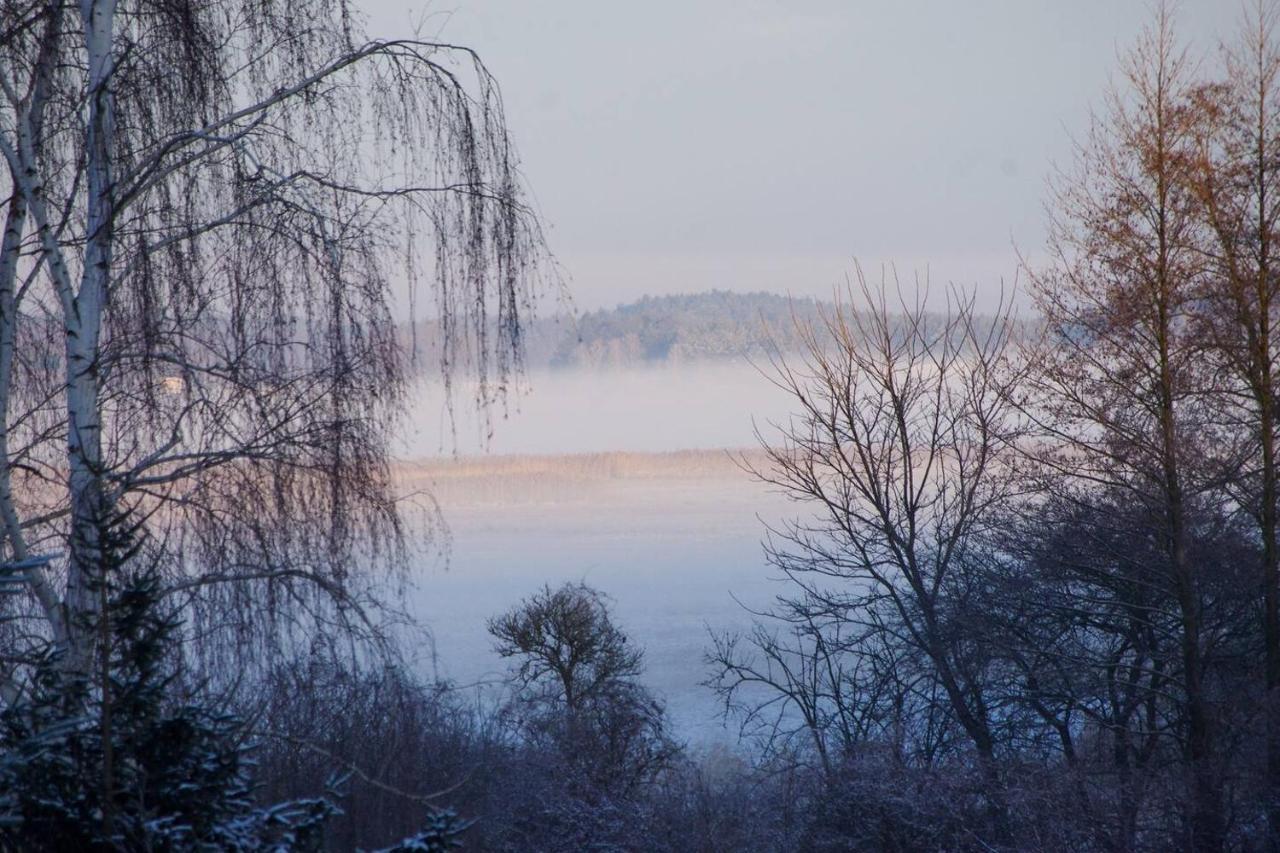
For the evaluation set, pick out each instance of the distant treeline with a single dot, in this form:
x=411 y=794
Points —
x=712 y=325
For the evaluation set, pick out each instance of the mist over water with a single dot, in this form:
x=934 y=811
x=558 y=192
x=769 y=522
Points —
x=698 y=405
x=673 y=538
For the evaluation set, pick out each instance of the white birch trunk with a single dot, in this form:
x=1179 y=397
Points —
x=26 y=185
x=83 y=326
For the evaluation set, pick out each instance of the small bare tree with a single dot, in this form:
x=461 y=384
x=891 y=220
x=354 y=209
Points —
x=568 y=635
x=577 y=679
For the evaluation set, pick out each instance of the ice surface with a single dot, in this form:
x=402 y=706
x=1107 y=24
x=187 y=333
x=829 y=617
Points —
x=673 y=537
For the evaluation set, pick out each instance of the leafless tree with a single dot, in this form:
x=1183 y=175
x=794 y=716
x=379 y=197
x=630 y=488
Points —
x=578 y=690
x=899 y=448
x=1086 y=616
x=828 y=684
x=207 y=206
x=566 y=638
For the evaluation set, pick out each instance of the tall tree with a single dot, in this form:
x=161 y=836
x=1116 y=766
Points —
x=207 y=206
x=1120 y=396
x=1236 y=179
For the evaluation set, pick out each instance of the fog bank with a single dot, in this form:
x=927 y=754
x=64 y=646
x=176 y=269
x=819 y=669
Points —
x=649 y=408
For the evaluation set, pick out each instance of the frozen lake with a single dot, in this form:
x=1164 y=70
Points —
x=673 y=538
x=613 y=477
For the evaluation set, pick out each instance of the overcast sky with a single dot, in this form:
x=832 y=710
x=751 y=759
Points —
x=683 y=145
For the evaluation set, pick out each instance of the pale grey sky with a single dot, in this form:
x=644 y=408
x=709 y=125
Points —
x=763 y=144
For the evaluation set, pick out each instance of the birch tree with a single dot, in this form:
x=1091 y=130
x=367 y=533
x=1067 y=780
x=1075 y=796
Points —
x=207 y=206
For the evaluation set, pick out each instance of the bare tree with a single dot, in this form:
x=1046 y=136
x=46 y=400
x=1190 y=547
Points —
x=568 y=635
x=1087 y=617
x=206 y=209
x=578 y=690
x=898 y=446
x=824 y=682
